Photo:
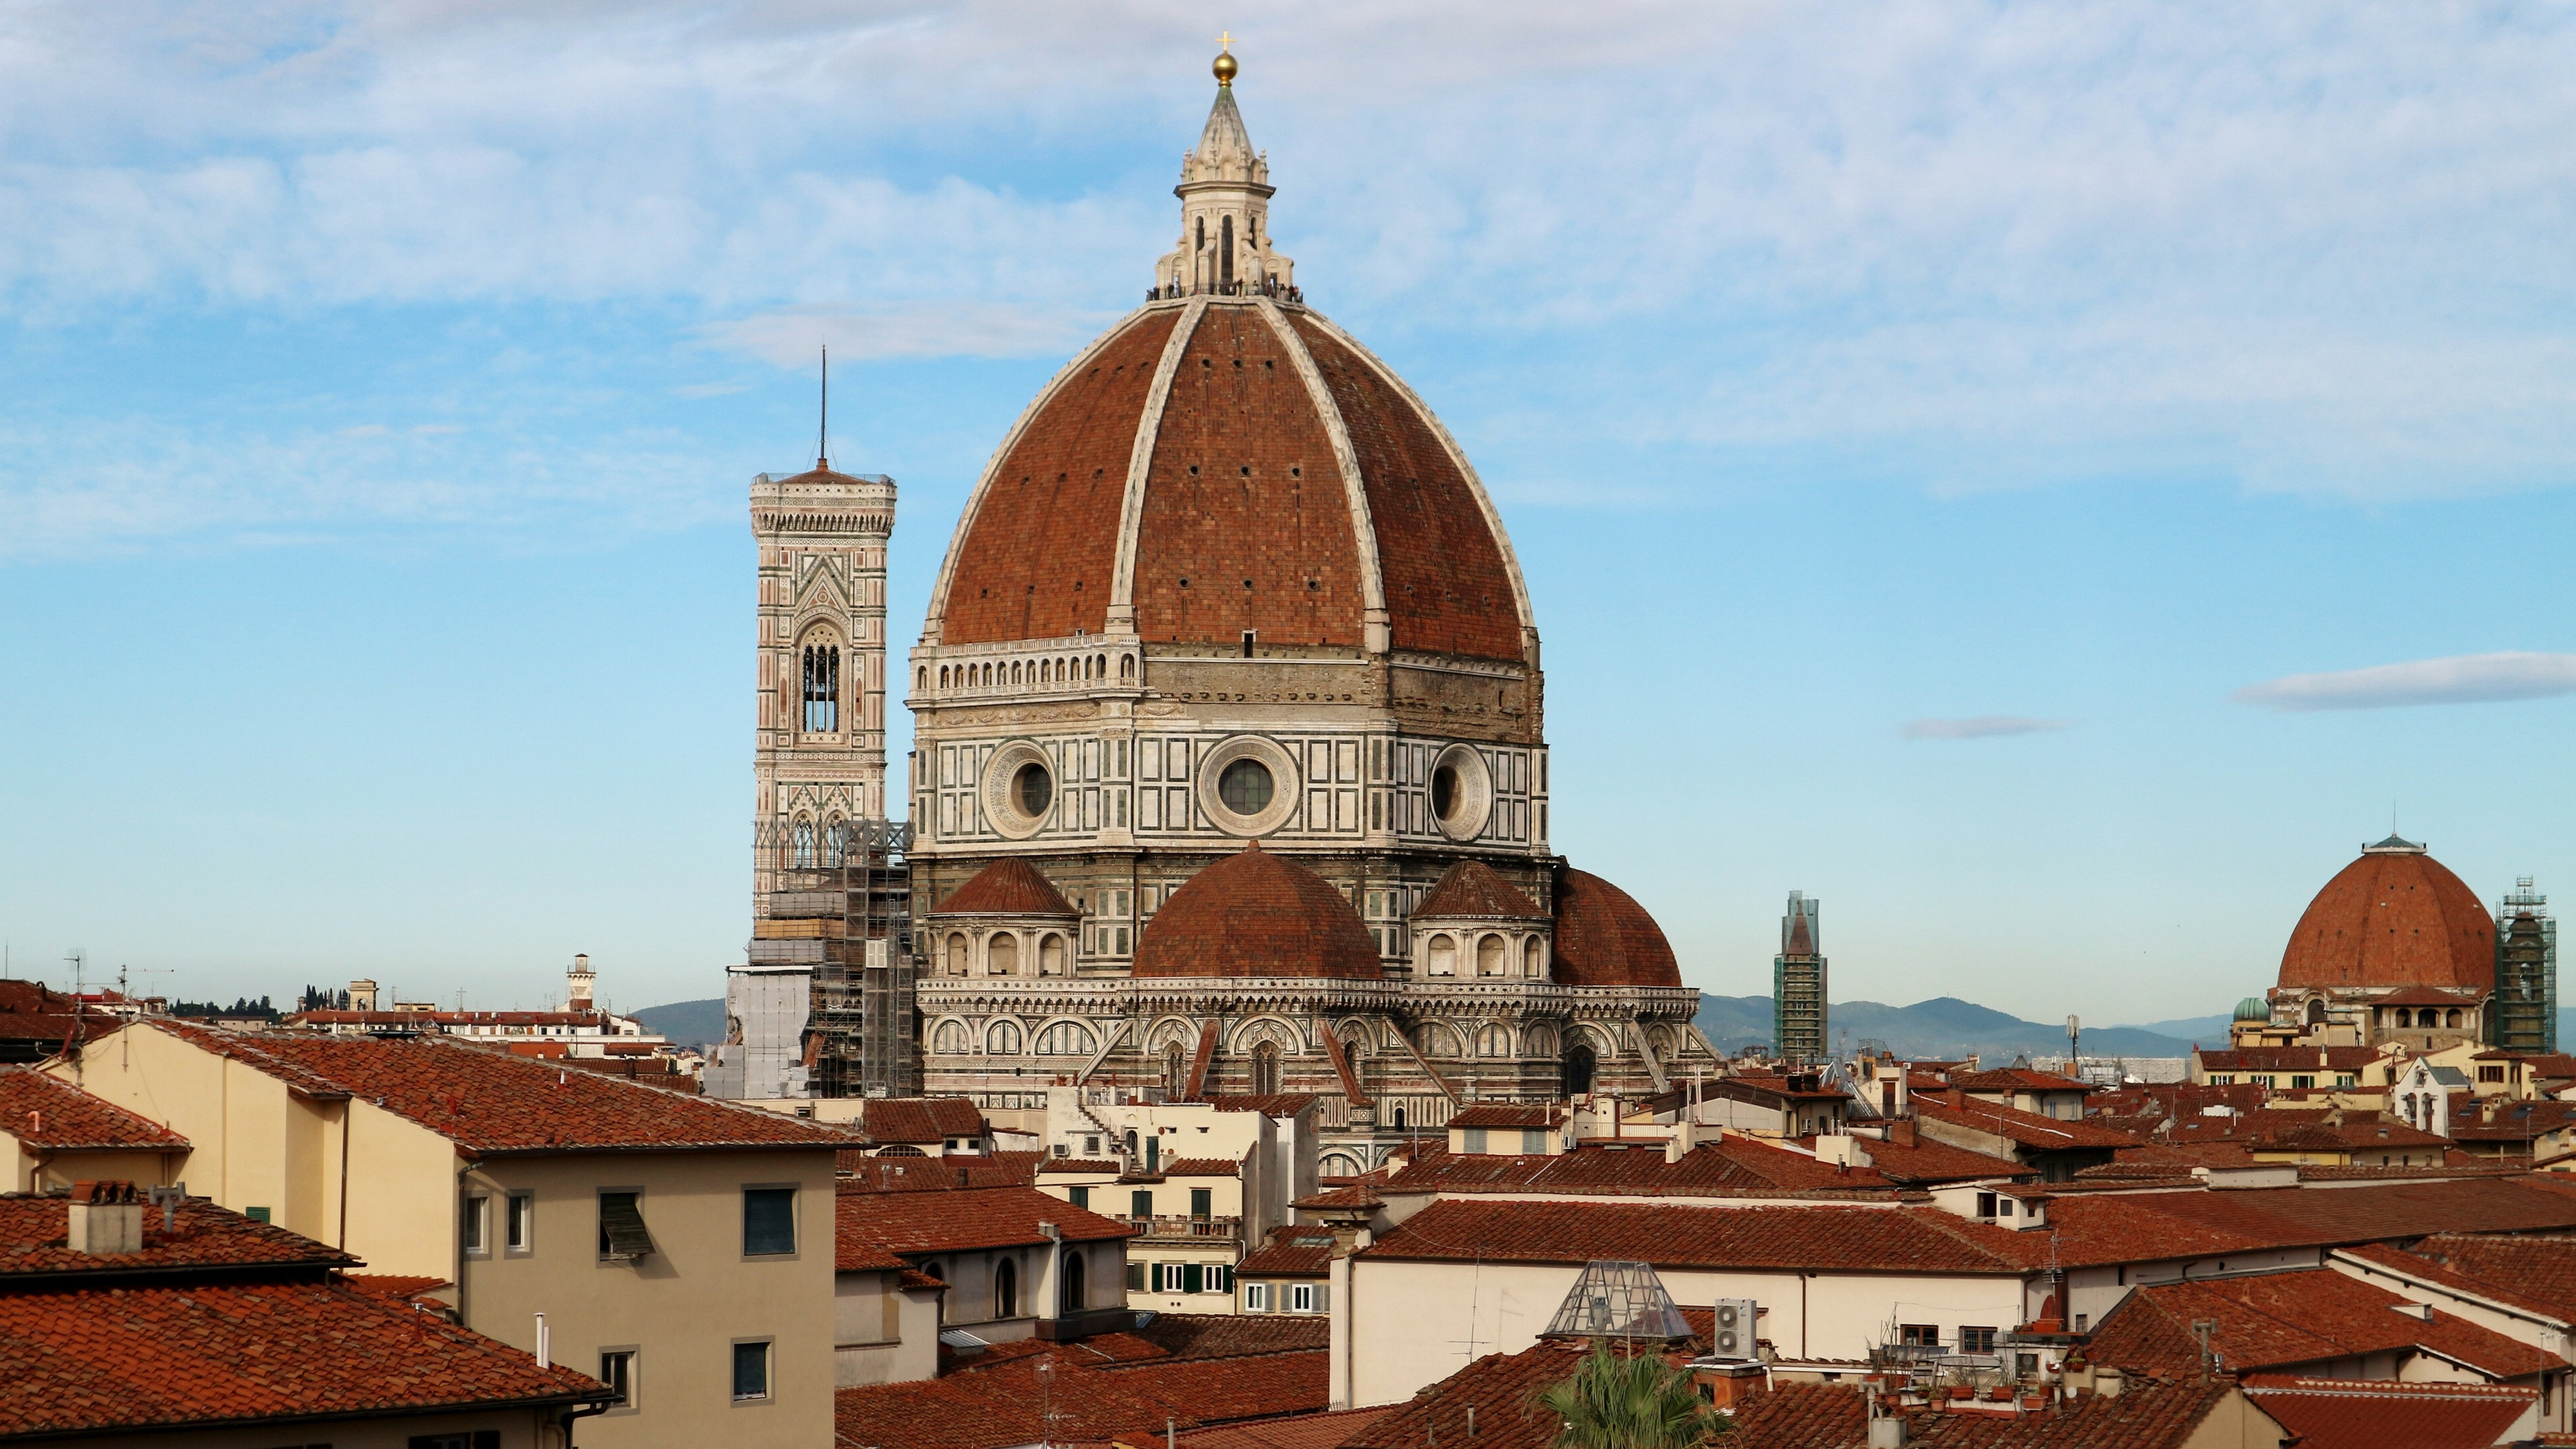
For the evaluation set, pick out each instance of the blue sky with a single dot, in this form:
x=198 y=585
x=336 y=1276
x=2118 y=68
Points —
x=2046 y=479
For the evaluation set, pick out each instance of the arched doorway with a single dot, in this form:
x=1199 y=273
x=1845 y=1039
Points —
x=1579 y=1065
x=1006 y=1289
x=1075 y=1296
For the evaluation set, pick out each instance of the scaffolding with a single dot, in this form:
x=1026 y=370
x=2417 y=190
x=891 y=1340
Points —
x=842 y=904
x=1798 y=984
x=2526 y=1015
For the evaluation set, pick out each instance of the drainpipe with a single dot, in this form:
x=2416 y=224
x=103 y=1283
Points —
x=458 y=1233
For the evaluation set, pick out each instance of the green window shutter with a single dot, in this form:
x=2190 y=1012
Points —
x=1202 y=1202
x=1082 y=1197
x=1140 y=1203
x=1193 y=1278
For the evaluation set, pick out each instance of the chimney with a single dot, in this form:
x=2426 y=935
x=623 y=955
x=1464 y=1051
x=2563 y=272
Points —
x=2108 y=1381
x=1901 y=1132
x=106 y=1217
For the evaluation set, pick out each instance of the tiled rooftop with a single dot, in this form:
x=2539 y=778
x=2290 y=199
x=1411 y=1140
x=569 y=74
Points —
x=1085 y=1398
x=202 y=1238
x=1829 y=1416
x=2344 y=1414
x=50 y=1114
x=2024 y=1129
x=861 y=1172
x=1738 y=1166
x=917 y=1120
x=1296 y=1252
x=916 y=1224
x=493 y=1103
x=2282 y=1321
x=2539 y=1270
x=1850 y=1238
x=204 y=1355
x=2149 y=1226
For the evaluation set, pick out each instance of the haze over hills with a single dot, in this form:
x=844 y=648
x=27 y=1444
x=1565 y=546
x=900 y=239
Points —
x=687 y=1023
x=1946 y=1028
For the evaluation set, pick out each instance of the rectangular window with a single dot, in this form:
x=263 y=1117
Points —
x=256 y=1214
x=1534 y=1141
x=1135 y=1277
x=519 y=1228
x=1193 y=1278
x=1122 y=941
x=1301 y=1298
x=622 y=1234
x=1256 y=1297
x=1473 y=1137
x=477 y=1226
x=2490 y=1074
x=1081 y=1197
x=1091 y=1147
x=1202 y=1203
x=617 y=1370
x=768 y=1222
x=1919 y=1335
x=750 y=1371
x=2301 y=1084
x=1140 y=1203
x=1985 y=1204
x=1976 y=1340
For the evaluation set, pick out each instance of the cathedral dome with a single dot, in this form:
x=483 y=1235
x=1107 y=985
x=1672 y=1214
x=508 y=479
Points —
x=1604 y=938
x=1225 y=462
x=2395 y=917
x=1213 y=467
x=1009 y=886
x=1255 y=913
x=1473 y=890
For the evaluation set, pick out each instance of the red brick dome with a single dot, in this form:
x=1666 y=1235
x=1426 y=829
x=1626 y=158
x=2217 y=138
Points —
x=1257 y=914
x=1604 y=938
x=1222 y=464
x=2395 y=917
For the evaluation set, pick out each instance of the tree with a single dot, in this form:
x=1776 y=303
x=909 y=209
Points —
x=1629 y=1401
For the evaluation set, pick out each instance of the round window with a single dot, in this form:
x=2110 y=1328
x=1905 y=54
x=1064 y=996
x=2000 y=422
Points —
x=1033 y=791
x=1245 y=787
x=1444 y=791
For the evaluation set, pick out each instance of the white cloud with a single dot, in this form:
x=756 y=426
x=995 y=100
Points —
x=1984 y=726
x=2463 y=679
x=1977 y=243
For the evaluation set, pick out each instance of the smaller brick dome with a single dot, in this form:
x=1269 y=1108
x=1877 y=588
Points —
x=1604 y=938
x=1257 y=914
x=1008 y=887
x=1473 y=890
x=2395 y=917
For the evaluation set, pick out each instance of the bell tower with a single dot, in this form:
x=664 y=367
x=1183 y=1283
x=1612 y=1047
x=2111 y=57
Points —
x=820 y=763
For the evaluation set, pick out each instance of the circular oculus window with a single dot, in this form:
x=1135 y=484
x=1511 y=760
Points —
x=1248 y=786
x=1462 y=793
x=1019 y=789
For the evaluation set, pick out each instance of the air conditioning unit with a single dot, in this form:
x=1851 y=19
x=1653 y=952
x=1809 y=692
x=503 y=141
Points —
x=1732 y=1336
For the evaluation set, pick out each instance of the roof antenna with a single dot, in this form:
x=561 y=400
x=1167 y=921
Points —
x=823 y=430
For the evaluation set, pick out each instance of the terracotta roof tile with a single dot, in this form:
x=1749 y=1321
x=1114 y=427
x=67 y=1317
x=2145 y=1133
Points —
x=1506 y=1115
x=2140 y=1227
x=919 y=1119
x=1735 y=1167
x=1225 y=1335
x=51 y=1114
x=1829 y=1416
x=1010 y=1403
x=2345 y=1414
x=1009 y=886
x=1604 y=938
x=401 y=1287
x=1474 y=890
x=916 y=1224
x=2017 y=1079
x=1257 y=913
x=1202 y=1167
x=202 y=1238
x=492 y=1103
x=208 y=1354
x=1923 y=1162
x=1295 y=1252
x=862 y=1172
x=2539 y=1270
x=1890 y=1239
x=2285 y=1320
x=1297 y=1431
x=2025 y=1129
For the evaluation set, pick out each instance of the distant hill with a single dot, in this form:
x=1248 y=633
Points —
x=687 y=1023
x=1943 y=1028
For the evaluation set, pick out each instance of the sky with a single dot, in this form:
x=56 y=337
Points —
x=2050 y=480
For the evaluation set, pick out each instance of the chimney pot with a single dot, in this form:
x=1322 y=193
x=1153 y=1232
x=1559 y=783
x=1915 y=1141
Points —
x=104 y=1217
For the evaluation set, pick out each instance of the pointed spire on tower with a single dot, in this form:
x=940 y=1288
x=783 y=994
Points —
x=1225 y=209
